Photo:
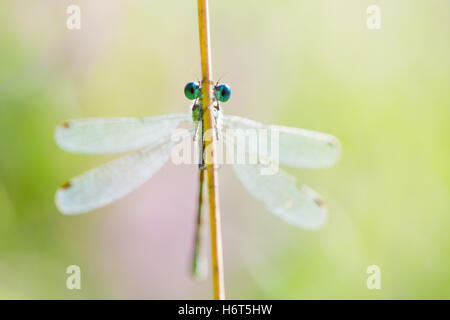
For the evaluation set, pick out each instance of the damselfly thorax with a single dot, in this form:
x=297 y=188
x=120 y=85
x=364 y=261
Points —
x=219 y=93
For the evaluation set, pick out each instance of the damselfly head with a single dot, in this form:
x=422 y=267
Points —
x=192 y=91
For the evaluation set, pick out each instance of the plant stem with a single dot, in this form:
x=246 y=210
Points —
x=211 y=172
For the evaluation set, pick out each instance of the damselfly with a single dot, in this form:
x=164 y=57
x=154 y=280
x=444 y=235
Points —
x=150 y=142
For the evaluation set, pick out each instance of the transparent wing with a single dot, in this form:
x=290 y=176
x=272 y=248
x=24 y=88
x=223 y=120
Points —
x=297 y=147
x=115 y=135
x=300 y=206
x=111 y=181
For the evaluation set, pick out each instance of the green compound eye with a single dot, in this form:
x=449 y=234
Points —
x=223 y=92
x=191 y=90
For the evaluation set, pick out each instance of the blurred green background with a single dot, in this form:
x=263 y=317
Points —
x=311 y=64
